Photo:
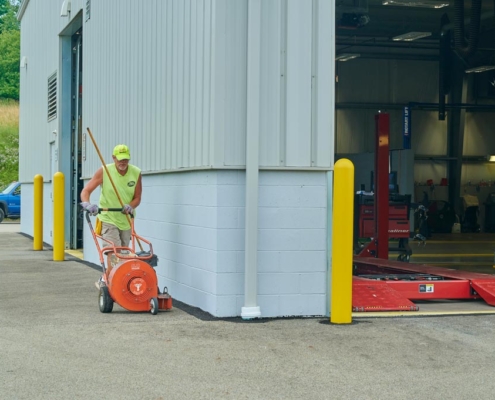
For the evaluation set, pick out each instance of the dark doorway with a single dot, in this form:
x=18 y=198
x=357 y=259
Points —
x=76 y=228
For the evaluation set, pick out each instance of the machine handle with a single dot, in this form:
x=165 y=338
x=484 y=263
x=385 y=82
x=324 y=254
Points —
x=113 y=209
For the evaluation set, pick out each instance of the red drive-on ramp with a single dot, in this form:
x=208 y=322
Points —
x=385 y=285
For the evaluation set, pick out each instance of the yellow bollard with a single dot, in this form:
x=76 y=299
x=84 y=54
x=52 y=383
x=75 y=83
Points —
x=38 y=213
x=58 y=217
x=342 y=247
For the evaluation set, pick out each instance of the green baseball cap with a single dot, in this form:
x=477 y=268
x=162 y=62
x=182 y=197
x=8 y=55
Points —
x=121 y=152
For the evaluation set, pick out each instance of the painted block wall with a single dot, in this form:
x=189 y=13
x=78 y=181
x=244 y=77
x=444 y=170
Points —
x=195 y=221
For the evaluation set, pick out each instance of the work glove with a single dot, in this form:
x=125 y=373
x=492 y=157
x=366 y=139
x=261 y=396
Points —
x=92 y=209
x=127 y=209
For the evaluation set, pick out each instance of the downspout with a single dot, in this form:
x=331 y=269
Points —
x=251 y=308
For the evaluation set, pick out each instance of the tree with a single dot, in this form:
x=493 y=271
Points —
x=8 y=18
x=9 y=49
x=9 y=159
x=4 y=6
x=9 y=64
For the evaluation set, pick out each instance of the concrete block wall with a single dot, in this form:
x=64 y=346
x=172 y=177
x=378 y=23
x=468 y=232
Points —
x=292 y=266
x=195 y=221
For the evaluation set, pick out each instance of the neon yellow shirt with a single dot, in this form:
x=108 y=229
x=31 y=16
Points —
x=126 y=186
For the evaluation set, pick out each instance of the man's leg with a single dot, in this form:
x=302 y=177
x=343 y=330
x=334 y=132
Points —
x=110 y=232
x=125 y=237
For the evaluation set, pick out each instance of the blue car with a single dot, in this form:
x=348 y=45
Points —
x=10 y=201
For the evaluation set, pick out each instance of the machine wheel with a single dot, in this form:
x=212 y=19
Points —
x=2 y=215
x=104 y=300
x=154 y=305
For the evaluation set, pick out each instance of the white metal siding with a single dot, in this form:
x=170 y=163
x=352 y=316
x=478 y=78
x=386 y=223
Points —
x=296 y=79
x=298 y=95
x=147 y=81
x=40 y=26
x=169 y=79
x=271 y=88
x=230 y=82
x=323 y=138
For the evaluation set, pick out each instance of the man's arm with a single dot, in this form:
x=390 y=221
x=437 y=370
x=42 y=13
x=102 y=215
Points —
x=136 y=200
x=94 y=182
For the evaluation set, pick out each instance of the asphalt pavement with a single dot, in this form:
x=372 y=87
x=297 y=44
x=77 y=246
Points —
x=55 y=344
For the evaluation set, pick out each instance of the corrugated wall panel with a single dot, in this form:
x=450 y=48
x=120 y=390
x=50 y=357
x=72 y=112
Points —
x=293 y=41
x=193 y=90
x=167 y=70
x=40 y=25
x=147 y=81
x=272 y=13
x=159 y=108
x=186 y=115
x=323 y=142
x=298 y=115
x=232 y=30
x=169 y=79
x=178 y=69
x=208 y=82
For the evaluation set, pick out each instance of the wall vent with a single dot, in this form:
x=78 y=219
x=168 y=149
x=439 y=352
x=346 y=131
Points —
x=52 y=97
x=88 y=9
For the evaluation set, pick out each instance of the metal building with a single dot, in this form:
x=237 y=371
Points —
x=201 y=91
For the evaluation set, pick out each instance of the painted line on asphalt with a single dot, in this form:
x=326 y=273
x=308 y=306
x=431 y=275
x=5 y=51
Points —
x=460 y=242
x=452 y=255
x=391 y=314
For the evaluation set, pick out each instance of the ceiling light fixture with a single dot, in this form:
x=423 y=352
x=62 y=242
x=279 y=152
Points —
x=416 y=3
x=483 y=68
x=409 y=37
x=347 y=56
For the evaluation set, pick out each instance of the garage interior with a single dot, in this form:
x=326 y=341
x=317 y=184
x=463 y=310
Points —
x=437 y=59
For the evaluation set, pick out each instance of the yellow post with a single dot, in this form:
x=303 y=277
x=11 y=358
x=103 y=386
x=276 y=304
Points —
x=38 y=213
x=58 y=217
x=342 y=252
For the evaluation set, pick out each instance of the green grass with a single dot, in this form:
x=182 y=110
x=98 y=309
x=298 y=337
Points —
x=9 y=141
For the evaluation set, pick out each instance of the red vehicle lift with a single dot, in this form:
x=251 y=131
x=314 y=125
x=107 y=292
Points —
x=398 y=222
x=380 y=284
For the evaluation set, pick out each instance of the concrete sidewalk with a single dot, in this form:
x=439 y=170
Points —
x=55 y=344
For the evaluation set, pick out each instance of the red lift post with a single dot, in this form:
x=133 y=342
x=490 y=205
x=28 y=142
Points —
x=378 y=247
x=382 y=124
